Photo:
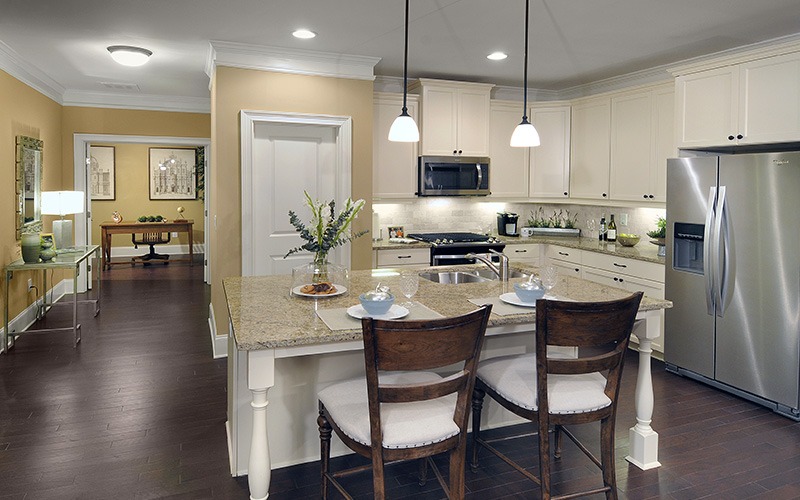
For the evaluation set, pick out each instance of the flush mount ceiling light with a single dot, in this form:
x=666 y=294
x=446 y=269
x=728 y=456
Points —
x=525 y=135
x=129 y=56
x=404 y=128
x=497 y=56
x=304 y=34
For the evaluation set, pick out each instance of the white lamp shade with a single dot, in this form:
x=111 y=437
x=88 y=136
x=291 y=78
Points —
x=525 y=136
x=129 y=56
x=62 y=202
x=404 y=129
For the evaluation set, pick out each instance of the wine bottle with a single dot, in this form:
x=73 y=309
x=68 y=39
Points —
x=612 y=229
x=602 y=230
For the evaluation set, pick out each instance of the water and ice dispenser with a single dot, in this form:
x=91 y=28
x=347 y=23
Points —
x=687 y=251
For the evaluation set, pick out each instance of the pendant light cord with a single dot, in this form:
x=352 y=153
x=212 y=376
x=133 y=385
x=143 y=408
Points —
x=525 y=90
x=405 y=64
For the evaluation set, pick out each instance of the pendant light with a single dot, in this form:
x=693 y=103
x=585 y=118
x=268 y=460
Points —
x=404 y=128
x=525 y=135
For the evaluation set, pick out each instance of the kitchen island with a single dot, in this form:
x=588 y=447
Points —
x=278 y=343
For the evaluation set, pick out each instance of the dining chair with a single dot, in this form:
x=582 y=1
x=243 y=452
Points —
x=413 y=402
x=555 y=389
x=152 y=239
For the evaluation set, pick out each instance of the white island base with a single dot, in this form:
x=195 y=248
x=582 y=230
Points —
x=294 y=375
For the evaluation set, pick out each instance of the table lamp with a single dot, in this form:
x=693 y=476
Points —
x=62 y=203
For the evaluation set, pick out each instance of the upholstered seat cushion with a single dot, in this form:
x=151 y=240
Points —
x=514 y=378
x=404 y=425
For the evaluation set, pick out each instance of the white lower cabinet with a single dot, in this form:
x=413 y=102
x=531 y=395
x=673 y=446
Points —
x=628 y=274
x=402 y=257
x=567 y=260
x=524 y=252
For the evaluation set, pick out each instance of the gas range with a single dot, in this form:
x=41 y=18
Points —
x=452 y=248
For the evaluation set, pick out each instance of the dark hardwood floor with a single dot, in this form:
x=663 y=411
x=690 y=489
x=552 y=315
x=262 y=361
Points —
x=138 y=411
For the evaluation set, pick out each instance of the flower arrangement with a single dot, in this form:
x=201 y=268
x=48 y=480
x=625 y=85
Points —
x=557 y=220
x=327 y=230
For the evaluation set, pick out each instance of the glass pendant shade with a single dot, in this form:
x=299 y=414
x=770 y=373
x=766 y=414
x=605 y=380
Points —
x=525 y=136
x=404 y=129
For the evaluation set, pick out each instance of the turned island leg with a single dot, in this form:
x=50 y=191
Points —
x=260 y=377
x=643 y=440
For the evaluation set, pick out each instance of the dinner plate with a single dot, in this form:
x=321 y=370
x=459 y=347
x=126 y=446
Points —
x=340 y=289
x=511 y=298
x=395 y=312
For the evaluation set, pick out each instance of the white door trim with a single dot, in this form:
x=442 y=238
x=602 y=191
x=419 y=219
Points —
x=248 y=121
x=83 y=229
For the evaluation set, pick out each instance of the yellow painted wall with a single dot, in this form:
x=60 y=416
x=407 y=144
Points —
x=235 y=89
x=24 y=111
x=133 y=196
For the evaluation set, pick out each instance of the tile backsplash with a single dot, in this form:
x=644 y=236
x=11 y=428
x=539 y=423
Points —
x=480 y=215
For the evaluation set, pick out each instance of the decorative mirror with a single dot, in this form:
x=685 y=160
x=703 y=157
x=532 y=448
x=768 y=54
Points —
x=29 y=185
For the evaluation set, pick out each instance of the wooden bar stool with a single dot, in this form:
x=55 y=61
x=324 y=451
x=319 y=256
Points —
x=402 y=410
x=559 y=390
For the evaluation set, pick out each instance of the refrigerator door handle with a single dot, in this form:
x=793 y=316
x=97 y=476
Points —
x=707 y=250
x=717 y=249
x=723 y=261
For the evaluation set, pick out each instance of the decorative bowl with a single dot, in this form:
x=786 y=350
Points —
x=529 y=291
x=376 y=302
x=628 y=240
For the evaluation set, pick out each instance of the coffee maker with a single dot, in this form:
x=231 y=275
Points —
x=507 y=224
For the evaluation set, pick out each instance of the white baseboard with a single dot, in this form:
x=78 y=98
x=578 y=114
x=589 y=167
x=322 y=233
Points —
x=130 y=251
x=27 y=317
x=219 y=343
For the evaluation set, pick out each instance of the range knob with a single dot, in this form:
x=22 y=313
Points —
x=438 y=241
x=446 y=241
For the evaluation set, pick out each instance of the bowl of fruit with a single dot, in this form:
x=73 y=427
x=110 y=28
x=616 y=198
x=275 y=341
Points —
x=628 y=240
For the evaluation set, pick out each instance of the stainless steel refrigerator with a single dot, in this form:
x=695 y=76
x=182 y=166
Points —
x=733 y=275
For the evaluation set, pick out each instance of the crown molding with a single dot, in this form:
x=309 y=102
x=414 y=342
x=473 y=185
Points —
x=283 y=60
x=737 y=55
x=658 y=74
x=16 y=66
x=508 y=93
x=137 y=101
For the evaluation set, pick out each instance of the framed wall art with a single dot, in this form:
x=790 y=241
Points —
x=173 y=174
x=103 y=178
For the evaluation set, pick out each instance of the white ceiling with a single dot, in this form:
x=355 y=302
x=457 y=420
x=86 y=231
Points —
x=573 y=42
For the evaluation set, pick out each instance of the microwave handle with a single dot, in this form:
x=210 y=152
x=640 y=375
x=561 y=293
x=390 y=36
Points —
x=480 y=175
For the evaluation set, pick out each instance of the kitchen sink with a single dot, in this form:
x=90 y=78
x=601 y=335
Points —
x=453 y=277
x=488 y=273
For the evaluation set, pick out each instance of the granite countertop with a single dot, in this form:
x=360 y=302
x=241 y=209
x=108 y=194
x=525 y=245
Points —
x=266 y=316
x=644 y=250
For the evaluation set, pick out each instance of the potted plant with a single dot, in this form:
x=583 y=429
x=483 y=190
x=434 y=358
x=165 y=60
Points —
x=659 y=236
x=326 y=231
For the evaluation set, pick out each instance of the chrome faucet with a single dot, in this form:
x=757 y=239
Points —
x=501 y=269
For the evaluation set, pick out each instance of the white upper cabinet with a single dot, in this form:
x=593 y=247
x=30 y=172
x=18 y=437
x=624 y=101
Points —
x=589 y=159
x=455 y=117
x=508 y=176
x=753 y=102
x=641 y=141
x=549 y=162
x=394 y=164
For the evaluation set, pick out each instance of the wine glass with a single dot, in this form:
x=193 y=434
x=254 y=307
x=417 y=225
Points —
x=549 y=277
x=409 y=284
x=591 y=225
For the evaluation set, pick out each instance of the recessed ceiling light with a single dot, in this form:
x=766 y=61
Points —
x=304 y=34
x=129 y=56
x=497 y=56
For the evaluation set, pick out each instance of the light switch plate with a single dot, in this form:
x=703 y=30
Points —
x=623 y=219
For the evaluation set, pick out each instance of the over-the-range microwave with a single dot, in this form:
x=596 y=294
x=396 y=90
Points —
x=453 y=176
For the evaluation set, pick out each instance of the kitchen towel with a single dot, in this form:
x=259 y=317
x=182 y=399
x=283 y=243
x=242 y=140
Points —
x=338 y=319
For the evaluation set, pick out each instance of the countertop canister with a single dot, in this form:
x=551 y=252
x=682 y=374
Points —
x=31 y=247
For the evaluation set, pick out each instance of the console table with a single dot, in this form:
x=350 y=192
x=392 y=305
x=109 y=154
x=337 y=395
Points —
x=109 y=228
x=65 y=260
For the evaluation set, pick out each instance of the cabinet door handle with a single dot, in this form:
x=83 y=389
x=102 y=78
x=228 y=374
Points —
x=651 y=196
x=730 y=137
x=620 y=265
x=644 y=196
x=566 y=193
x=604 y=195
x=740 y=136
x=455 y=151
x=563 y=253
x=618 y=279
x=403 y=256
x=520 y=251
x=577 y=269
